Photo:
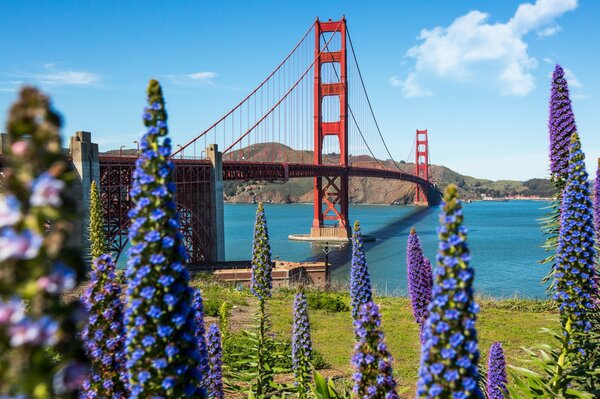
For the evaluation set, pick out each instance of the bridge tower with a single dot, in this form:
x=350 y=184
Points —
x=421 y=165
x=330 y=193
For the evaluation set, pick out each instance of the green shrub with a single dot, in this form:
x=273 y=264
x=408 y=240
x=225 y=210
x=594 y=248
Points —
x=328 y=302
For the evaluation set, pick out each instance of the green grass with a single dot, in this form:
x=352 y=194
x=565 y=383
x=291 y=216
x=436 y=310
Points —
x=514 y=322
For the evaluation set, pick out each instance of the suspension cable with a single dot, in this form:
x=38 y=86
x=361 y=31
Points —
x=284 y=96
x=249 y=95
x=368 y=100
x=352 y=113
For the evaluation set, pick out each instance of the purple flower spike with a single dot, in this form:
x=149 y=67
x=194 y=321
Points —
x=496 y=378
x=597 y=202
x=104 y=334
x=575 y=276
x=301 y=345
x=561 y=125
x=360 y=283
x=420 y=279
x=215 y=360
x=198 y=305
x=372 y=362
x=449 y=355
x=161 y=343
x=262 y=280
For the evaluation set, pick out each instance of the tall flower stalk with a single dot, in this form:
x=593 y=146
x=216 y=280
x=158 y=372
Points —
x=40 y=352
x=420 y=280
x=98 y=245
x=450 y=353
x=360 y=282
x=372 y=362
x=496 y=376
x=301 y=345
x=161 y=347
x=597 y=203
x=561 y=126
x=261 y=285
x=575 y=276
x=215 y=361
x=104 y=333
x=198 y=305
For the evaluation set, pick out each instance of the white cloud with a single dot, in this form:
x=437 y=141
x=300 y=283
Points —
x=549 y=31
x=52 y=76
x=193 y=79
x=68 y=78
x=10 y=86
x=395 y=81
x=202 y=75
x=472 y=49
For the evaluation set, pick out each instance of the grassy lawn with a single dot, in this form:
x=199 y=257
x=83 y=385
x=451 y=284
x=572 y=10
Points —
x=516 y=323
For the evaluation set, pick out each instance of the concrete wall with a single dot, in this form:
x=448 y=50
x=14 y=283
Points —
x=87 y=165
x=217 y=217
x=3 y=143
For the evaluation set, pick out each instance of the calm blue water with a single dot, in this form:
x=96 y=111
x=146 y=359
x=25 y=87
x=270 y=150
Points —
x=504 y=238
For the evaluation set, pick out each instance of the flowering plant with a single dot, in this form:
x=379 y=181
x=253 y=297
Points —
x=450 y=354
x=38 y=264
x=301 y=344
x=360 y=282
x=161 y=346
x=420 y=280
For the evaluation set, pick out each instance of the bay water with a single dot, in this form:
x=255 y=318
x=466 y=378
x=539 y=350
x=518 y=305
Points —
x=504 y=239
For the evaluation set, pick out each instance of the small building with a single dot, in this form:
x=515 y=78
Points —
x=284 y=273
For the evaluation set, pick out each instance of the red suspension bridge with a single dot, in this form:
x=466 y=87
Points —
x=314 y=106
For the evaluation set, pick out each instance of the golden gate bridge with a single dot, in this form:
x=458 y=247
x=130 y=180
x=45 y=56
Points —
x=314 y=104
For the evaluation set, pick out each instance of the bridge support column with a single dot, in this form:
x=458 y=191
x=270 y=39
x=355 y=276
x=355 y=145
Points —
x=217 y=216
x=422 y=166
x=330 y=192
x=86 y=162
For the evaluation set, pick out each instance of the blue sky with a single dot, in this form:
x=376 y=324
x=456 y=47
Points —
x=475 y=73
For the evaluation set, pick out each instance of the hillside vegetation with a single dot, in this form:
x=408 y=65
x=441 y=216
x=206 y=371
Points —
x=365 y=190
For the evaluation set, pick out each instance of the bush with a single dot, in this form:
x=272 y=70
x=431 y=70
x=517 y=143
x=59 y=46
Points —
x=328 y=302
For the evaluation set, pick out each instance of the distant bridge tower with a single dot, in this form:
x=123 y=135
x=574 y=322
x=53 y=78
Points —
x=330 y=193
x=421 y=165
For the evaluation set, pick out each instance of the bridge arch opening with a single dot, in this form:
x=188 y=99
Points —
x=330 y=109
x=331 y=150
x=330 y=41
x=331 y=72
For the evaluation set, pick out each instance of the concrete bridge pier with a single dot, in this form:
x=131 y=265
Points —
x=217 y=216
x=86 y=162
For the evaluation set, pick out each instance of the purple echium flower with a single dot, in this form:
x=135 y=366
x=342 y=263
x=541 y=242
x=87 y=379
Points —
x=40 y=340
x=46 y=190
x=301 y=344
x=597 y=203
x=10 y=210
x=561 y=125
x=360 y=282
x=215 y=361
x=372 y=362
x=496 y=377
x=262 y=279
x=162 y=357
x=420 y=279
x=201 y=332
x=449 y=355
x=575 y=276
x=104 y=334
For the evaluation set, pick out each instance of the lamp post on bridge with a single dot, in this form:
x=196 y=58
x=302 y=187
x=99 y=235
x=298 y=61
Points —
x=180 y=152
x=121 y=151
x=327 y=274
x=137 y=143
